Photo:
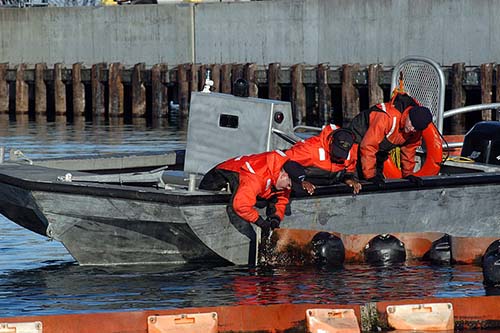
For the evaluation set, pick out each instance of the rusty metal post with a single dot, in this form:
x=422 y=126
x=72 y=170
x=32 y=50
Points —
x=59 y=91
x=226 y=83
x=375 y=92
x=457 y=122
x=249 y=73
x=4 y=89
x=215 y=77
x=183 y=91
x=159 y=81
x=350 y=94
x=273 y=80
x=78 y=91
x=324 y=94
x=115 y=86
x=486 y=89
x=40 y=92
x=138 y=91
x=98 y=91
x=22 y=96
x=298 y=94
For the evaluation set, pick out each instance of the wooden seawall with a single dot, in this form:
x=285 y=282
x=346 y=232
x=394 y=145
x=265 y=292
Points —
x=318 y=93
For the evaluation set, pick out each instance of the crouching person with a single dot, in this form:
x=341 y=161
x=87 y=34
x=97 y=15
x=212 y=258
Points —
x=253 y=180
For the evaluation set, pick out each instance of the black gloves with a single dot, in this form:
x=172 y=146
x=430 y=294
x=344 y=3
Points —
x=415 y=180
x=272 y=222
x=378 y=180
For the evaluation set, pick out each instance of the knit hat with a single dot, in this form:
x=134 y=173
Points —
x=341 y=143
x=295 y=171
x=420 y=117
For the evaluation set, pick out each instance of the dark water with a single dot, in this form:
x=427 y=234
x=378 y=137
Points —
x=38 y=276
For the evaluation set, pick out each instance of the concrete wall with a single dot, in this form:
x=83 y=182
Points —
x=286 y=31
x=127 y=34
x=349 y=31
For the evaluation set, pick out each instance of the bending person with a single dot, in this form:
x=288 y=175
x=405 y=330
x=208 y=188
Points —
x=397 y=123
x=329 y=157
x=253 y=179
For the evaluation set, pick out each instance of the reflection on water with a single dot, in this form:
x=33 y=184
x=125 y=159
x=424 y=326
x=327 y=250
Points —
x=68 y=288
x=38 y=276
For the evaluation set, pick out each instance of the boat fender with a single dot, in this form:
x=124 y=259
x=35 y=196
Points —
x=433 y=158
x=327 y=250
x=440 y=251
x=491 y=264
x=384 y=250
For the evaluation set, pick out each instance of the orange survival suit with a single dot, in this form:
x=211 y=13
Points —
x=249 y=177
x=314 y=153
x=380 y=129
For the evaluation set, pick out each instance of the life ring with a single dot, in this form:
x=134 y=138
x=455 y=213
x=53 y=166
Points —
x=433 y=158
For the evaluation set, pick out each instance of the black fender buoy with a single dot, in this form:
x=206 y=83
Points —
x=491 y=264
x=440 y=251
x=384 y=249
x=327 y=249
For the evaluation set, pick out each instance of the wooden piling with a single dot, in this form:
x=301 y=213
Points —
x=4 y=89
x=486 y=89
x=215 y=69
x=194 y=78
x=116 y=90
x=273 y=80
x=350 y=94
x=183 y=90
x=226 y=83
x=375 y=92
x=237 y=72
x=298 y=94
x=59 y=91
x=249 y=73
x=78 y=91
x=159 y=81
x=457 y=122
x=22 y=97
x=498 y=91
x=40 y=92
x=98 y=91
x=138 y=91
x=324 y=94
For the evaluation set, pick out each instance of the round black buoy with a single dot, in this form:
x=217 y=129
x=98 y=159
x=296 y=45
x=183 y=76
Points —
x=491 y=264
x=327 y=249
x=384 y=249
x=440 y=251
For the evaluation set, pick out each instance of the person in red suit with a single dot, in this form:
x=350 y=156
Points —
x=254 y=179
x=397 y=123
x=329 y=157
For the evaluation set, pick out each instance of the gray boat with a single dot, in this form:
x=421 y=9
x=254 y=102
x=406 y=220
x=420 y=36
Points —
x=146 y=209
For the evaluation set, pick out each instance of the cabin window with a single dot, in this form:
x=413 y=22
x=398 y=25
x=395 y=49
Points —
x=228 y=120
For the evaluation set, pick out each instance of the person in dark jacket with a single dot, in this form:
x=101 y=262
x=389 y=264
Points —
x=397 y=123
x=253 y=179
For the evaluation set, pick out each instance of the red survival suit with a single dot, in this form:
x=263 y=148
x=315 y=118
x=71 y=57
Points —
x=258 y=174
x=380 y=129
x=315 y=152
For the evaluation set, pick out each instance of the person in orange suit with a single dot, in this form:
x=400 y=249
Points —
x=329 y=157
x=397 y=123
x=253 y=179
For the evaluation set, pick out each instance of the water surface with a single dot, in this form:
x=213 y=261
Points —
x=38 y=276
